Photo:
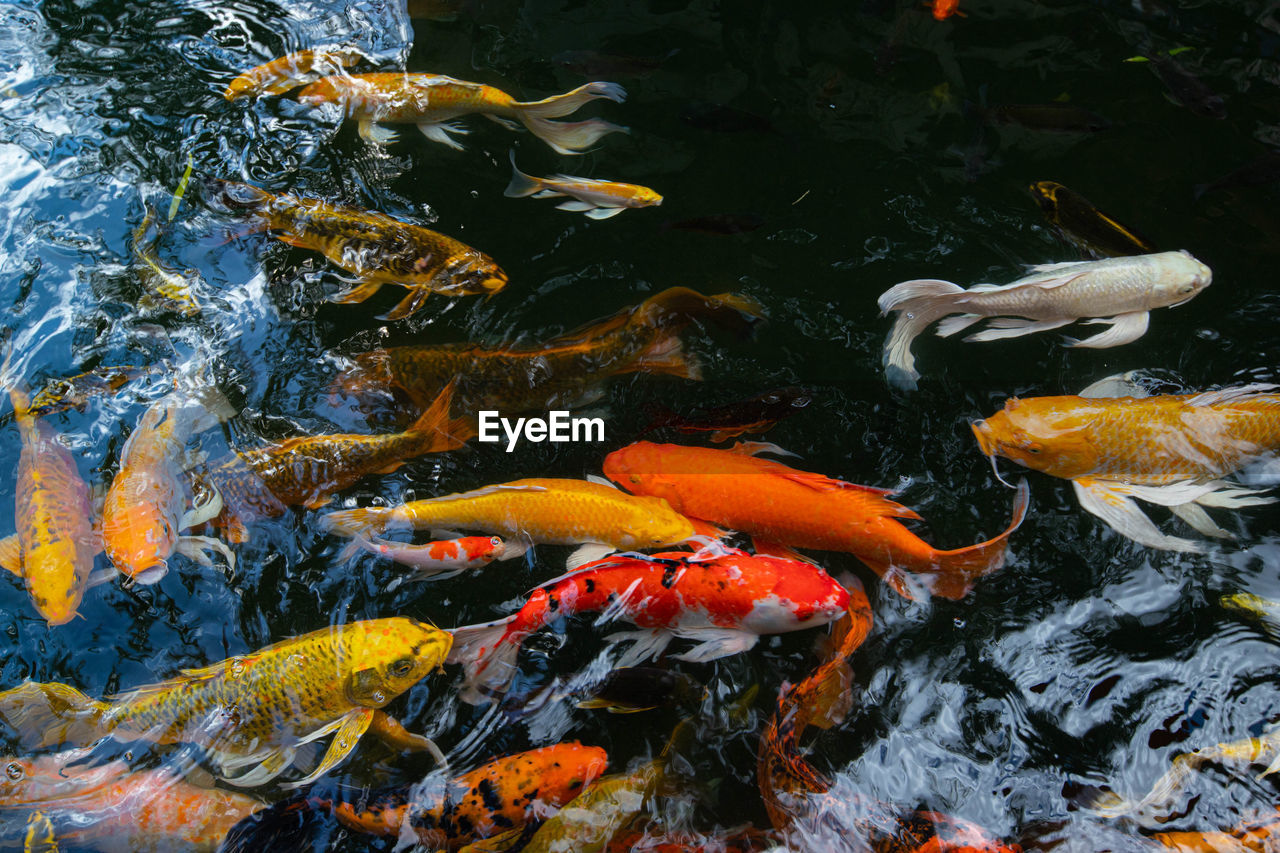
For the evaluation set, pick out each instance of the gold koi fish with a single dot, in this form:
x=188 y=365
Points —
x=374 y=247
x=173 y=289
x=256 y=708
x=289 y=72
x=74 y=392
x=430 y=100
x=595 y=199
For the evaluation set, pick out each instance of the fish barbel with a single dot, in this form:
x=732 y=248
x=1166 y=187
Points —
x=430 y=100
x=256 y=708
x=377 y=249
x=594 y=198
x=800 y=509
x=289 y=72
x=538 y=511
x=724 y=600
x=1169 y=449
x=557 y=373
x=1118 y=291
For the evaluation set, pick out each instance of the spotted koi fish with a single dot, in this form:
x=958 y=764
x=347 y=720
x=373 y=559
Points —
x=377 y=249
x=289 y=72
x=446 y=555
x=258 y=708
x=722 y=598
x=593 y=198
x=430 y=100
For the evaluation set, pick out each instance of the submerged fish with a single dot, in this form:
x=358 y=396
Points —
x=74 y=392
x=1118 y=291
x=1171 y=450
x=1187 y=89
x=800 y=509
x=430 y=100
x=377 y=249
x=307 y=470
x=631 y=689
x=144 y=512
x=596 y=199
x=556 y=374
x=758 y=414
x=445 y=555
x=170 y=288
x=107 y=808
x=289 y=72
x=256 y=708
x=1263 y=169
x=943 y=9
x=724 y=600
x=1083 y=223
x=537 y=511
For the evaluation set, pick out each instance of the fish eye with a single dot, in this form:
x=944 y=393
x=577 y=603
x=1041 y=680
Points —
x=495 y=541
x=402 y=667
x=14 y=770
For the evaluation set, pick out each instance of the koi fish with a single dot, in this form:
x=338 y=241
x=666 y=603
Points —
x=800 y=509
x=56 y=544
x=143 y=512
x=725 y=601
x=446 y=555
x=1085 y=225
x=1118 y=291
x=631 y=689
x=1168 y=449
x=289 y=72
x=758 y=414
x=107 y=808
x=308 y=470
x=1187 y=89
x=74 y=392
x=558 y=373
x=943 y=9
x=536 y=511
x=377 y=249
x=174 y=290
x=430 y=100
x=258 y=708
x=596 y=199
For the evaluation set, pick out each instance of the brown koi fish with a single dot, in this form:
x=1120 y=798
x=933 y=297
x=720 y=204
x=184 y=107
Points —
x=256 y=708
x=430 y=100
x=376 y=248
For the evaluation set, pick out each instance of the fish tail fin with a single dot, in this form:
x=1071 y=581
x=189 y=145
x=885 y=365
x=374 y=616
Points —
x=561 y=105
x=487 y=656
x=435 y=426
x=679 y=305
x=570 y=137
x=355 y=522
x=521 y=184
x=52 y=714
x=919 y=303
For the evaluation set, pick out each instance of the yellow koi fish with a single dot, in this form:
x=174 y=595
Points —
x=289 y=72
x=596 y=199
x=258 y=708
x=374 y=247
x=170 y=288
x=430 y=100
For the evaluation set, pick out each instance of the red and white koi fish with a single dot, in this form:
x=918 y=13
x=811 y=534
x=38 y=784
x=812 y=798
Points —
x=445 y=555
x=725 y=599
x=594 y=198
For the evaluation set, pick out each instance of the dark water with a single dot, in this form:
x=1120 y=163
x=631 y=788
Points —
x=847 y=143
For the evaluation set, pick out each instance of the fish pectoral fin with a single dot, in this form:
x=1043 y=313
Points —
x=409 y=305
x=1117 y=385
x=269 y=768
x=587 y=553
x=604 y=212
x=715 y=643
x=1125 y=328
x=547 y=194
x=755 y=448
x=1230 y=496
x=358 y=292
x=1195 y=516
x=439 y=132
x=352 y=726
x=647 y=645
x=505 y=122
x=1109 y=501
x=575 y=206
x=1013 y=327
x=764 y=548
x=389 y=730
x=194 y=547
x=371 y=131
x=209 y=508
x=11 y=554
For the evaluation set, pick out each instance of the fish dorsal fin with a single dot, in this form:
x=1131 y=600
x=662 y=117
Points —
x=1058 y=266
x=184 y=677
x=755 y=448
x=601 y=481
x=559 y=176
x=1117 y=385
x=1232 y=395
x=1047 y=282
x=482 y=492
x=815 y=481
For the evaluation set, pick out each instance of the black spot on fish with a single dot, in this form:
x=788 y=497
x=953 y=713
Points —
x=503 y=821
x=465 y=826
x=553 y=603
x=668 y=577
x=492 y=799
x=591 y=585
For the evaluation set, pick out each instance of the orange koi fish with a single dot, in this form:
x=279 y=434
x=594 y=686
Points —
x=55 y=539
x=289 y=72
x=596 y=199
x=559 y=373
x=943 y=9
x=143 y=512
x=1171 y=449
x=800 y=509
x=308 y=470
x=446 y=555
x=376 y=248
x=109 y=809
x=430 y=100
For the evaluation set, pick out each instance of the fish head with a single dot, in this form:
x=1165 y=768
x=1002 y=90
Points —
x=638 y=468
x=1180 y=279
x=140 y=546
x=53 y=777
x=645 y=197
x=656 y=525
x=388 y=656
x=472 y=273
x=59 y=601
x=1049 y=434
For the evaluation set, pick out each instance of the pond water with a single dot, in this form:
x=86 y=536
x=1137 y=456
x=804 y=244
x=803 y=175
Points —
x=810 y=155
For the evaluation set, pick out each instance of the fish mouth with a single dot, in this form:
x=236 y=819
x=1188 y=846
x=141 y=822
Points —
x=986 y=439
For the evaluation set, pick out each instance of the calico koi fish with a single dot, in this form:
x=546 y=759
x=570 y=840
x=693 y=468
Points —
x=256 y=708
x=1118 y=291
x=289 y=72
x=724 y=599
x=1169 y=449
x=430 y=100
x=109 y=809
x=558 y=373
x=56 y=543
x=800 y=509
x=307 y=470
x=143 y=512
x=377 y=249
x=534 y=511
x=446 y=555
x=596 y=199
x=1085 y=225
